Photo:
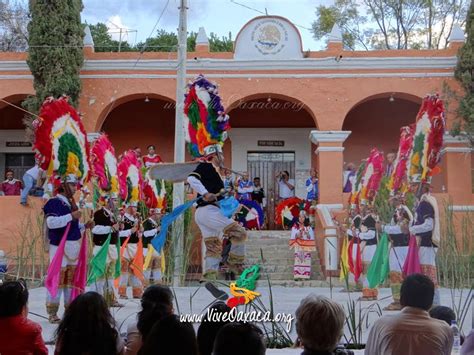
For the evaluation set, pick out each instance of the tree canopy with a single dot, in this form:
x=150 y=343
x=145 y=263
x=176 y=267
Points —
x=391 y=24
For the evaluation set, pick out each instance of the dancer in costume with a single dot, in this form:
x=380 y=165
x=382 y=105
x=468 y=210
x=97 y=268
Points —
x=130 y=181
x=151 y=158
x=106 y=229
x=368 y=235
x=354 y=263
x=423 y=164
x=303 y=242
x=207 y=126
x=62 y=221
x=152 y=271
x=104 y=264
x=62 y=151
x=399 y=237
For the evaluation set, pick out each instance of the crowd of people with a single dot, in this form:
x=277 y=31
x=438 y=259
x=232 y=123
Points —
x=87 y=327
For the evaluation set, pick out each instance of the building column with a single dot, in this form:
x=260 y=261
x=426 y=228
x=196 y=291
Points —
x=457 y=155
x=330 y=168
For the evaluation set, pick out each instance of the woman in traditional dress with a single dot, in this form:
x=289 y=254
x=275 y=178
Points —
x=302 y=241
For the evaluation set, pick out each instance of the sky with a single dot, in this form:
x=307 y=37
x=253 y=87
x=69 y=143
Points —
x=218 y=16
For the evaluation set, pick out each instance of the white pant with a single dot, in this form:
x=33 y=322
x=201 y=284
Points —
x=211 y=221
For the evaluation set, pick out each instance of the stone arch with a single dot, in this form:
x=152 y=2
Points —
x=139 y=120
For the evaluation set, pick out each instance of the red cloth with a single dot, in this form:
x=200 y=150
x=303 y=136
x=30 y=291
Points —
x=412 y=262
x=149 y=161
x=19 y=335
x=11 y=188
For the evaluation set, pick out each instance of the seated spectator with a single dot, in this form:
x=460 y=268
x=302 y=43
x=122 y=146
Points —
x=258 y=194
x=169 y=336
x=412 y=331
x=319 y=325
x=11 y=186
x=312 y=187
x=157 y=303
x=239 y=339
x=468 y=345
x=244 y=187
x=208 y=329
x=88 y=327
x=18 y=334
x=442 y=313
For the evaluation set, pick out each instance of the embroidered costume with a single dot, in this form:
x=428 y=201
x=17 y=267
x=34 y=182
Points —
x=152 y=269
x=303 y=242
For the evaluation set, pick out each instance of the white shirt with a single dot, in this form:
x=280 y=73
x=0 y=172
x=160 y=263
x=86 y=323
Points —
x=285 y=191
x=34 y=172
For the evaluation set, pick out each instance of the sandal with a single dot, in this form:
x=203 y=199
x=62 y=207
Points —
x=54 y=319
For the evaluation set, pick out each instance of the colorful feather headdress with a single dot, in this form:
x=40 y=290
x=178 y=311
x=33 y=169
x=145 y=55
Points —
x=288 y=211
x=371 y=177
x=398 y=179
x=61 y=141
x=104 y=166
x=206 y=122
x=155 y=194
x=428 y=140
x=130 y=178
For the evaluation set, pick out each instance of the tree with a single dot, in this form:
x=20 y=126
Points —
x=465 y=75
x=391 y=24
x=223 y=44
x=55 y=54
x=14 y=20
x=103 y=41
x=166 y=42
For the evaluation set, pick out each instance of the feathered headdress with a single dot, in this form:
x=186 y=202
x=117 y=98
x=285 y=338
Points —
x=397 y=182
x=372 y=176
x=104 y=166
x=250 y=215
x=206 y=122
x=288 y=211
x=427 y=141
x=155 y=193
x=61 y=141
x=130 y=178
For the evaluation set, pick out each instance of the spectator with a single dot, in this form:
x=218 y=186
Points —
x=286 y=185
x=319 y=325
x=390 y=164
x=30 y=180
x=88 y=327
x=348 y=177
x=239 y=339
x=169 y=336
x=244 y=187
x=442 y=313
x=468 y=345
x=18 y=334
x=229 y=180
x=209 y=327
x=157 y=303
x=258 y=194
x=312 y=186
x=412 y=331
x=151 y=158
x=11 y=186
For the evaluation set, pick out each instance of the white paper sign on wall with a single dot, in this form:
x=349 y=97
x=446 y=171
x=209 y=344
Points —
x=268 y=37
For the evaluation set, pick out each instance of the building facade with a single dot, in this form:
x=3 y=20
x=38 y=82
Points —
x=290 y=109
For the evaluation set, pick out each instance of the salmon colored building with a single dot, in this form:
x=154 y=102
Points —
x=290 y=109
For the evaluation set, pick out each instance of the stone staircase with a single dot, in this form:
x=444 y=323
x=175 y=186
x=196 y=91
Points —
x=278 y=259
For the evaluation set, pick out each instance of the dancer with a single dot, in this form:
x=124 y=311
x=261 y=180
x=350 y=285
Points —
x=152 y=269
x=131 y=250
x=354 y=264
x=399 y=236
x=203 y=105
x=303 y=242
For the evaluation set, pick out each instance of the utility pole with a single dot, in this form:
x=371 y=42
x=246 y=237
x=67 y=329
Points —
x=120 y=40
x=179 y=143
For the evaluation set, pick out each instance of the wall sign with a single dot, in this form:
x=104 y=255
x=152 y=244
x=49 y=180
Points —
x=16 y=144
x=271 y=143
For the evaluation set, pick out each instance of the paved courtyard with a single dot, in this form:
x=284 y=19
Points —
x=194 y=300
